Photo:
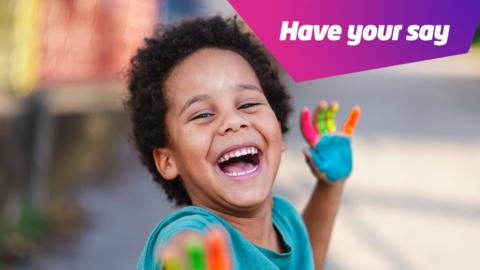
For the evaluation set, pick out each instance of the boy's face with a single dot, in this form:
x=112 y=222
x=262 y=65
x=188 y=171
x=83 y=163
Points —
x=217 y=111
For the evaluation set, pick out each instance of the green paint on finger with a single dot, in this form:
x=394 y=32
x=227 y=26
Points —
x=196 y=254
x=321 y=124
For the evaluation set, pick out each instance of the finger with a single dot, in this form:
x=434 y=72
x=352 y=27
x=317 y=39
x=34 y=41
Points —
x=175 y=254
x=319 y=119
x=351 y=122
x=171 y=260
x=330 y=118
x=218 y=257
x=196 y=254
x=307 y=129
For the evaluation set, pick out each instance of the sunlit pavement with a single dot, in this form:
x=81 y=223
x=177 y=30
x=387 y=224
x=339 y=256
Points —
x=412 y=201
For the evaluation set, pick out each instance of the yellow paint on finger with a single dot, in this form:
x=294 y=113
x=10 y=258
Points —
x=331 y=114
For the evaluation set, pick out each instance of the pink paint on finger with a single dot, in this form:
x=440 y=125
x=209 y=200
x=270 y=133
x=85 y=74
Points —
x=307 y=129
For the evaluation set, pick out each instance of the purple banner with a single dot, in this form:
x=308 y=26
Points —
x=320 y=38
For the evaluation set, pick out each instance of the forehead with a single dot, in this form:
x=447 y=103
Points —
x=208 y=70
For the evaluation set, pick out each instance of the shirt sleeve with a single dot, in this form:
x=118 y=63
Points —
x=195 y=223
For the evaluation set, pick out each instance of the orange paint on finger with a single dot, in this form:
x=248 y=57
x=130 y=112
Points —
x=351 y=122
x=218 y=257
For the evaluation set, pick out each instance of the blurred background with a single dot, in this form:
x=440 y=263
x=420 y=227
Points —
x=73 y=194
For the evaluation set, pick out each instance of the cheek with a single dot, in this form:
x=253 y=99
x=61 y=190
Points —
x=190 y=143
x=278 y=126
x=195 y=143
x=271 y=127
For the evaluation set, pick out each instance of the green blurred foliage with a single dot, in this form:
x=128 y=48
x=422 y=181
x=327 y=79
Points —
x=32 y=225
x=3 y=240
x=476 y=39
x=16 y=240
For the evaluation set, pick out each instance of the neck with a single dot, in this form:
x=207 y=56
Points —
x=255 y=224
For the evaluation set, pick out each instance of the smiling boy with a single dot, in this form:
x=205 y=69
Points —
x=221 y=111
x=208 y=113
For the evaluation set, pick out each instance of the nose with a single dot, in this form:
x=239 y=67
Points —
x=233 y=122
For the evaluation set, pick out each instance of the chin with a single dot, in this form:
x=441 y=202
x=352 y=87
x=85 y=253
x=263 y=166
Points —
x=249 y=199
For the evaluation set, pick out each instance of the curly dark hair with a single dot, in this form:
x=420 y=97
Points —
x=152 y=64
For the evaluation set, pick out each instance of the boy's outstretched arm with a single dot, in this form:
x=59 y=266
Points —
x=319 y=216
x=330 y=159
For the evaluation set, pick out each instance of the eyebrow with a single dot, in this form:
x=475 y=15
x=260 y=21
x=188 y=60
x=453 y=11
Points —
x=203 y=97
x=193 y=100
x=249 y=87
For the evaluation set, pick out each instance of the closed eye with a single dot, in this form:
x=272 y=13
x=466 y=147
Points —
x=202 y=115
x=249 y=105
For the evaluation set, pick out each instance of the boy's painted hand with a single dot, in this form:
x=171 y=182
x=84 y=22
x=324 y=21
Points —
x=330 y=154
x=193 y=251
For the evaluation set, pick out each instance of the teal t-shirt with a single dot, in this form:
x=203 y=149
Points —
x=245 y=254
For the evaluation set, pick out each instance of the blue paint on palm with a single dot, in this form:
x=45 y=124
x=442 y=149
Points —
x=333 y=156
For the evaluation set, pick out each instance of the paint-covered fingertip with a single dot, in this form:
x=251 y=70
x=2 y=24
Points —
x=307 y=129
x=357 y=110
x=218 y=251
x=352 y=120
x=323 y=105
x=335 y=106
x=305 y=116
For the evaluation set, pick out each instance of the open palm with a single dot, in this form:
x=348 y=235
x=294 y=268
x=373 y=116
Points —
x=330 y=154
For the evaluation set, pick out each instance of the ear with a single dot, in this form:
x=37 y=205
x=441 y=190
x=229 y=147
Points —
x=165 y=163
x=284 y=147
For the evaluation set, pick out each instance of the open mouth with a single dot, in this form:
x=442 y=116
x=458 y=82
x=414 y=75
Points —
x=239 y=162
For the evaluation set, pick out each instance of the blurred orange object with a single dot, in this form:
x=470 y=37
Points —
x=218 y=255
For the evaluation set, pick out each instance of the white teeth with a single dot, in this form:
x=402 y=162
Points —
x=242 y=173
x=238 y=153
